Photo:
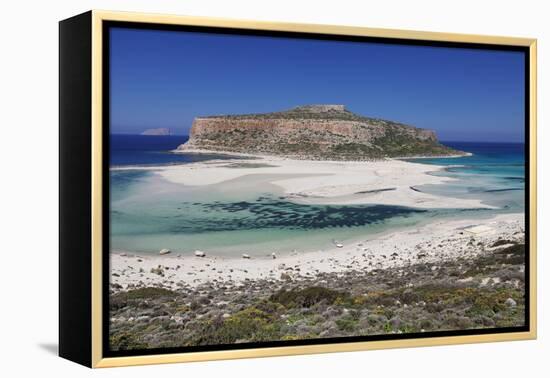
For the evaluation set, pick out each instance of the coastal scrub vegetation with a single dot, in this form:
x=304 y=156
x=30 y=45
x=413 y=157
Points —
x=483 y=292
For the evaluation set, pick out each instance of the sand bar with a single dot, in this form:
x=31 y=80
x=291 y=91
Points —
x=383 y=182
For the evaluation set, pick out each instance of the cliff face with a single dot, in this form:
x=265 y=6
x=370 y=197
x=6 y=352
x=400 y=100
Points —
x=327 y=132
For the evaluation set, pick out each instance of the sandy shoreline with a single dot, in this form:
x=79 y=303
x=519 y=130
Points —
x=435 y=242
x=382 y=182
x=187 y=150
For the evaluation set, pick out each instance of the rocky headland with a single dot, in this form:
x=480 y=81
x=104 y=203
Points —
x=315 y=132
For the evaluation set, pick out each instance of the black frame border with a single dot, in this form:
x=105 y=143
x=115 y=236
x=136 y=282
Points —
x=107 y=25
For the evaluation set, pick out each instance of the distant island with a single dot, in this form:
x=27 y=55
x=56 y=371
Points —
x=319 y=132
x=159 y=131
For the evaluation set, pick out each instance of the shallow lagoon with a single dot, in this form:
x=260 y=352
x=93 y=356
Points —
x=249 y=215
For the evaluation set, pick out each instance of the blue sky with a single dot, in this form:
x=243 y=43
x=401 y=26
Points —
x=166 y=78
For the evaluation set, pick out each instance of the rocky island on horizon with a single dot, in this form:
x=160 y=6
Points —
x=319 y=132
x=157 y=132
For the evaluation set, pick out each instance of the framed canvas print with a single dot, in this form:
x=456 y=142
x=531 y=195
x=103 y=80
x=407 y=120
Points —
x=235 y=189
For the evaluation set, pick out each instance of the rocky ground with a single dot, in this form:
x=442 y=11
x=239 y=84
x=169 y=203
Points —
x=483 y=291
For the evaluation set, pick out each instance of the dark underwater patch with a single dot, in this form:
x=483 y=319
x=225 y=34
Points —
x=273 y=213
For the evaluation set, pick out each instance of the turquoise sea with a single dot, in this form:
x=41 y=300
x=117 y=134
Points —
x=250 y=216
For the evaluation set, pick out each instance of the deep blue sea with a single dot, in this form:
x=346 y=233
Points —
x=149 y=213
x=151 y=150
x=506 y=159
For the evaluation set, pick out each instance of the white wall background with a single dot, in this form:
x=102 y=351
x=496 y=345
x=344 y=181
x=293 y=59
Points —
x=28 y=207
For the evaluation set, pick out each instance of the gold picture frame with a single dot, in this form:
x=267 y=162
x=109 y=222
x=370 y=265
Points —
x=92 y=24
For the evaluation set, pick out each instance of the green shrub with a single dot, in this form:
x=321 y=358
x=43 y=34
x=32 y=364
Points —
x=307 y=297
x=122 y=298
x=248 y=325
x=125 y=341
x=347 y=323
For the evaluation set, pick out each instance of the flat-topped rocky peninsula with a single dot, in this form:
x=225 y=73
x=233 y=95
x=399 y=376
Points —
x=313 y=132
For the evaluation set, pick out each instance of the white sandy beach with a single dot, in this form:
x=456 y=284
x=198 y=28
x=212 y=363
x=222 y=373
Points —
x=383 y=182
x=435 y=242
x=388 y=182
